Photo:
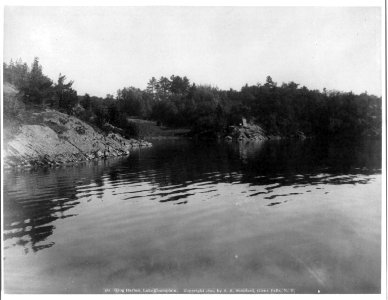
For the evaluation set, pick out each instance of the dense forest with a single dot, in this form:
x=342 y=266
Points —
x=280 y=109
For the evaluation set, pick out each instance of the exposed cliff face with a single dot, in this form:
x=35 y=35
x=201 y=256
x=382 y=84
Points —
x=52 y=138
x=61 y=139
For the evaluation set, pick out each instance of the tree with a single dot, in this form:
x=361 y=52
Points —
x=16 y=73
x=179 y=86
x=152 y=88
x=67 y=97
x=86 y=102
x=164 y=86
x=113 y=113
x=269 y=82
x=131 y=101
x=39 y=87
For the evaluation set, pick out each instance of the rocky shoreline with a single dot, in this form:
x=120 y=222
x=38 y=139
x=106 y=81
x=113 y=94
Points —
x=254 y=133
x=59 y=139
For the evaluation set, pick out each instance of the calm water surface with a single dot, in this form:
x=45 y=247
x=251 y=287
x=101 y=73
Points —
x=295 y=215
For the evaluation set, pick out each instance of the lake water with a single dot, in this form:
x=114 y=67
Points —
x=290 y=216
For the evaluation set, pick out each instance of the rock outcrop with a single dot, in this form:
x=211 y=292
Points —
x=253 y=132
x=61 y=139
x=249 y=132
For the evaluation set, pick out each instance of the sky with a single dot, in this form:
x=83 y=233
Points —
x=104 y=49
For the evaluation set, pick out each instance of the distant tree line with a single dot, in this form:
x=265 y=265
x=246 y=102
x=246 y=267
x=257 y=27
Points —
x=175 y=101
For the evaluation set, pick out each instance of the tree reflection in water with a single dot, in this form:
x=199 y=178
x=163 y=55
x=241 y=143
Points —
x=34 y=200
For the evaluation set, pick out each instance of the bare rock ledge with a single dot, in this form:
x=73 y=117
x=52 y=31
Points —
x=62 y=139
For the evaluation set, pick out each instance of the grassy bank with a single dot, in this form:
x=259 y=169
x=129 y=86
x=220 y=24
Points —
x=151 y=130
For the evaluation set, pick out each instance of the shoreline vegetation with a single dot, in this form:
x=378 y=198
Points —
x=47 y=123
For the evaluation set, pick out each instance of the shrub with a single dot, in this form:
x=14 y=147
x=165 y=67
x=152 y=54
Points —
x=85 y=115
x=130 y=129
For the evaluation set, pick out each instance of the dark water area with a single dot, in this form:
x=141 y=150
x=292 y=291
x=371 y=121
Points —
x=304 y=216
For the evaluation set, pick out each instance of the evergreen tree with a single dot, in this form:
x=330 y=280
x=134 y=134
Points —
x=38 y=89
x=67 y=97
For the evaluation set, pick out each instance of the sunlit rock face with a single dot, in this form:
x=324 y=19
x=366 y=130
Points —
x=61 y=139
